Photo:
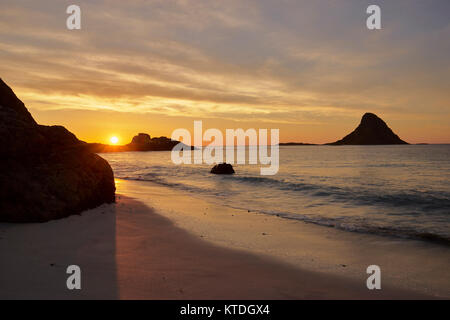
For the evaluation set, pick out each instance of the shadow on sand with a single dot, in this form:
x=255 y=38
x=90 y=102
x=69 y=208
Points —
x=34 y=257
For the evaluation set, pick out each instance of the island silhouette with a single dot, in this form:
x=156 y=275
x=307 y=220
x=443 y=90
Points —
x=371 y=131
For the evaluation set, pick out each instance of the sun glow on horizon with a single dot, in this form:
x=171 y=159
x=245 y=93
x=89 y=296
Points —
x=314 y=87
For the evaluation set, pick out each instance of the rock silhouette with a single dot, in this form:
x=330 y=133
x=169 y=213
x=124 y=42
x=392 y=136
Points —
x=141 y=138
x=371 y=131
x=222 y=168
x=296 y=144
x=140 y=142
x=45 y=171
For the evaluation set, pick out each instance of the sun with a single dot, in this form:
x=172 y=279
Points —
x=114 y=140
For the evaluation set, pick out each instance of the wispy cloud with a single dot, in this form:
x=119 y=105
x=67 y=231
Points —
x=284 y=61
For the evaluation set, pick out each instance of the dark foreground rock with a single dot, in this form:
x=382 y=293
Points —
x=222 y=168
x=45 y=171
x=371 y=131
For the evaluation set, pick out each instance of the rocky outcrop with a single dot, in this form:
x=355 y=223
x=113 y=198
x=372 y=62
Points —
x=371 y=131
x=45 y=171
x=222 y=168
x=141 y=138
x=141 y=142
x=296 y=144
x=147 y=144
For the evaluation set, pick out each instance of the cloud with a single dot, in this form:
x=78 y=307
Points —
x=283 y=61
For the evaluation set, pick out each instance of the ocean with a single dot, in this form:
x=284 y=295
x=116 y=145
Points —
x=395 y=191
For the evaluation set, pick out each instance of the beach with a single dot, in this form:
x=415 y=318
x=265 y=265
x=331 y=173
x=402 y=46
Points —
x=228 y=150
x=142 y=247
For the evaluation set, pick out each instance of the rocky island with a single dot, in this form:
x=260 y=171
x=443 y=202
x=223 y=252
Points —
x=371 y=131
x=140 y=142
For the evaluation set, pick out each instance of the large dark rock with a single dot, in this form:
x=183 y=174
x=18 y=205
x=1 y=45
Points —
x=45 y=171
x=222 y=168
x=371 y=131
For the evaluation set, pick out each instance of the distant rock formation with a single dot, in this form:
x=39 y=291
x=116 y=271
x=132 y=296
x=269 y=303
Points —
x=146 y=144
x=222 y=168
x=371 y=131
x=141 y=142
x=296 y=144
x=45 y=171
x=141 y=138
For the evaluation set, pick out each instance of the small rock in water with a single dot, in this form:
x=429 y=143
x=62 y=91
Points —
x=222 y=168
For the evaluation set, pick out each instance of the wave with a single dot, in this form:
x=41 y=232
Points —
x=413 y=199
x=155 y=178
x=425 y=200
x=351 y=224
x=336 y=194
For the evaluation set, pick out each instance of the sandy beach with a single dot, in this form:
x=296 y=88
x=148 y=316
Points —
x=225 y=150
x=129 y=250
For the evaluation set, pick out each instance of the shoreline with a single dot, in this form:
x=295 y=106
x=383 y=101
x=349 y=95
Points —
x=407 y=264
x=128 y=250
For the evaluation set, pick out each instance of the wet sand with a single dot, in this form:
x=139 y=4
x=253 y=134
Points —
x=411 y=265
x=129 y=251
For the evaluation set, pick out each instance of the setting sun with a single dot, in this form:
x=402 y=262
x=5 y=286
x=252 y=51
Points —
x=114 y=140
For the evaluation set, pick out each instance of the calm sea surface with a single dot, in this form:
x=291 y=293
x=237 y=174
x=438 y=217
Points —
x=401 y=191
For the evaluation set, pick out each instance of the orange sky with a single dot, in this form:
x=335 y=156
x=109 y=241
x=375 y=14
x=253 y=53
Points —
x=308 y=68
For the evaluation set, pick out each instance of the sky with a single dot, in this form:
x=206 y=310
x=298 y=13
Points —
x=308 y=68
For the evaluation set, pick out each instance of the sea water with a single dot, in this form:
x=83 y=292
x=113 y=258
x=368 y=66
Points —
x=397 y=191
